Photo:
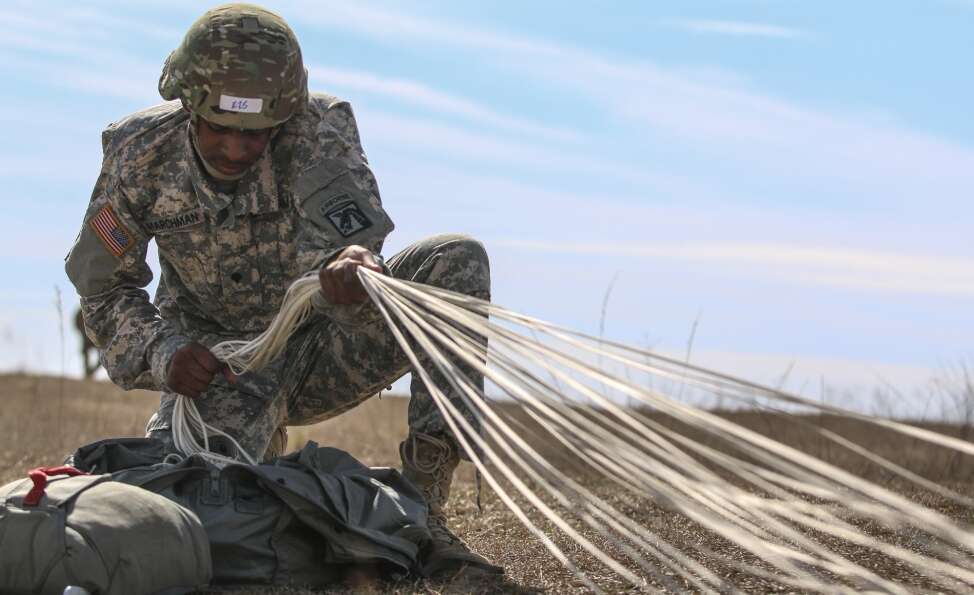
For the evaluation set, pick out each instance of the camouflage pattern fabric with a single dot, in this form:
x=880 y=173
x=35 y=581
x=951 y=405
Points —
x=239 y=65
x=227 y=259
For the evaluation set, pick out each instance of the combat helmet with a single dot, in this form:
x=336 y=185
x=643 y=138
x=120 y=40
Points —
x=238 y=66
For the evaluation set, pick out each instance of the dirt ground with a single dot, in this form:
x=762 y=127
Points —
x=44 y=419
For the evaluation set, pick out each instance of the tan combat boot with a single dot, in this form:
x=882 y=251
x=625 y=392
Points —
x=429 y=462
x=278 y=444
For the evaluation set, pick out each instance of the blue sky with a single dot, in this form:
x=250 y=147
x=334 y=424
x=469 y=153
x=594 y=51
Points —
x=795 y=177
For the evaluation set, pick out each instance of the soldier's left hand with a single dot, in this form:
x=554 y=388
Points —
x=339 y=278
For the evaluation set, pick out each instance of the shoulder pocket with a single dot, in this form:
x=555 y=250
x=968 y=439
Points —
x=330 y=196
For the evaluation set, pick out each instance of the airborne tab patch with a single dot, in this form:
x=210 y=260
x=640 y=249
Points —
x=112 y=233
x=347 y=218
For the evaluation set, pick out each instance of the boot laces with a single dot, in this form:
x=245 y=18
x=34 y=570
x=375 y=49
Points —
x=434 y=459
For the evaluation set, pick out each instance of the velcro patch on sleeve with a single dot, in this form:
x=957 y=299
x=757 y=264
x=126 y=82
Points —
x=173 y=222
x=245 y=105
x=112 y=233
x=347 y=218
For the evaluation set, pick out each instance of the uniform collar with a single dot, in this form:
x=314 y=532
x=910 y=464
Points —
x=256 y=192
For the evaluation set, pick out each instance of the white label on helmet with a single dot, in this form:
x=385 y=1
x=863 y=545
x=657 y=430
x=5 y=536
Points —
x=247 y=105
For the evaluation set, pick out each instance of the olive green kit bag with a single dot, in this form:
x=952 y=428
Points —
x=88 y=531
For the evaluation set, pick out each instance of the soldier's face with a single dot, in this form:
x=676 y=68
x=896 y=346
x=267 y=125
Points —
x=230 y=150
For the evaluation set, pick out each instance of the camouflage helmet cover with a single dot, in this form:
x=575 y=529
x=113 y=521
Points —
x=239 y=66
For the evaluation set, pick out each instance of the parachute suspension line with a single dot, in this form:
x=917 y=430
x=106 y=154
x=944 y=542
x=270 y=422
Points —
x=187 y=423
x=786 y=534
x=241 y=356
x=786 y=515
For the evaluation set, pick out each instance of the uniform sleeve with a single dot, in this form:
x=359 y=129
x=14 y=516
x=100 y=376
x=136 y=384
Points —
x=107 y=267
x=339 y=204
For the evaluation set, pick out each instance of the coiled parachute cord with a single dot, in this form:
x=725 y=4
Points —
x=187 y=424
x=191 y=433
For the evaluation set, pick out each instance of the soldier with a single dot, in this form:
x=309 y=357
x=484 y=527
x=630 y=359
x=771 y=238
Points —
x=87 y=348
x=246 y=182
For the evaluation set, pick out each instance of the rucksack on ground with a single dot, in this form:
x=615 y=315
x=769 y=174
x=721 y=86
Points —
x=60 y=528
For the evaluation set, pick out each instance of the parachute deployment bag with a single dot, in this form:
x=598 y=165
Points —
x=308 y=518
x=108 y=537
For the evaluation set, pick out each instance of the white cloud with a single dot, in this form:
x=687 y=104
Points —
x=76 y=65
x=420 y=94
x=128 y=80
x=385 y=24
x=851 y=269
x=38 y=164
x=46 y=247
x=884 y=162
x=61 y=53
x=736 y=28
x=18 y=22
x=783 y=137
x=400 y=133
x=85 y=19
x=82 y=23
x=809 y=374
x=33 y=44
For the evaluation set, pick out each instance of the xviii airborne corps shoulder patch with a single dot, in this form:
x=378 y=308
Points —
x=348 y=218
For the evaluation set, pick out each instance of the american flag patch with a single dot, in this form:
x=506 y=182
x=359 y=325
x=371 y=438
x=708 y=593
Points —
x=115 y=237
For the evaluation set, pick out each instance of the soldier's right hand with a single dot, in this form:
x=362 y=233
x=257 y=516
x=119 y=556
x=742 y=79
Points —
x=339 y=279
x=192 y=368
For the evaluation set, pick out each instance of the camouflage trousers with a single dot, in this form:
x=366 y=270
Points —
x=328 y=368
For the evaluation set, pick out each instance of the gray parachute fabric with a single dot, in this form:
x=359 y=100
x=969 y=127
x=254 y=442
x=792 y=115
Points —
x=108 y=537
x=302 y=519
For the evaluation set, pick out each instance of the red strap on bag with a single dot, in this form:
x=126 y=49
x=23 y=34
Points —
x=39 y=477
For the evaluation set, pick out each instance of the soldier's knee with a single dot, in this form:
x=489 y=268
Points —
x=459 y=263
x=463 y=246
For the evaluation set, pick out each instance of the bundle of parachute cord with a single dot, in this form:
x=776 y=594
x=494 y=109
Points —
x=617 y=415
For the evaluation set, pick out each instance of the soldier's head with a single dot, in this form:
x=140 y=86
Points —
x=239 y=72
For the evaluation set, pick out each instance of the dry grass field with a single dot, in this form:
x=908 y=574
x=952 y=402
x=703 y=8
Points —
x=45 y=418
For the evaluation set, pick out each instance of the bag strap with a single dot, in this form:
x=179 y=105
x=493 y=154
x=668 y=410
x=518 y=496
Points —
x=39 y=477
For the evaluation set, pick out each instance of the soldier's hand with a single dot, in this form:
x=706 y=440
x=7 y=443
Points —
x=192 y=368
x=339 y=278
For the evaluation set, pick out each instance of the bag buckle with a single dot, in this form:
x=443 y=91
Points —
x=215 y=490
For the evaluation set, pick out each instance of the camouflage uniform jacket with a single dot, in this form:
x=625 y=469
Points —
x=226 y=259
